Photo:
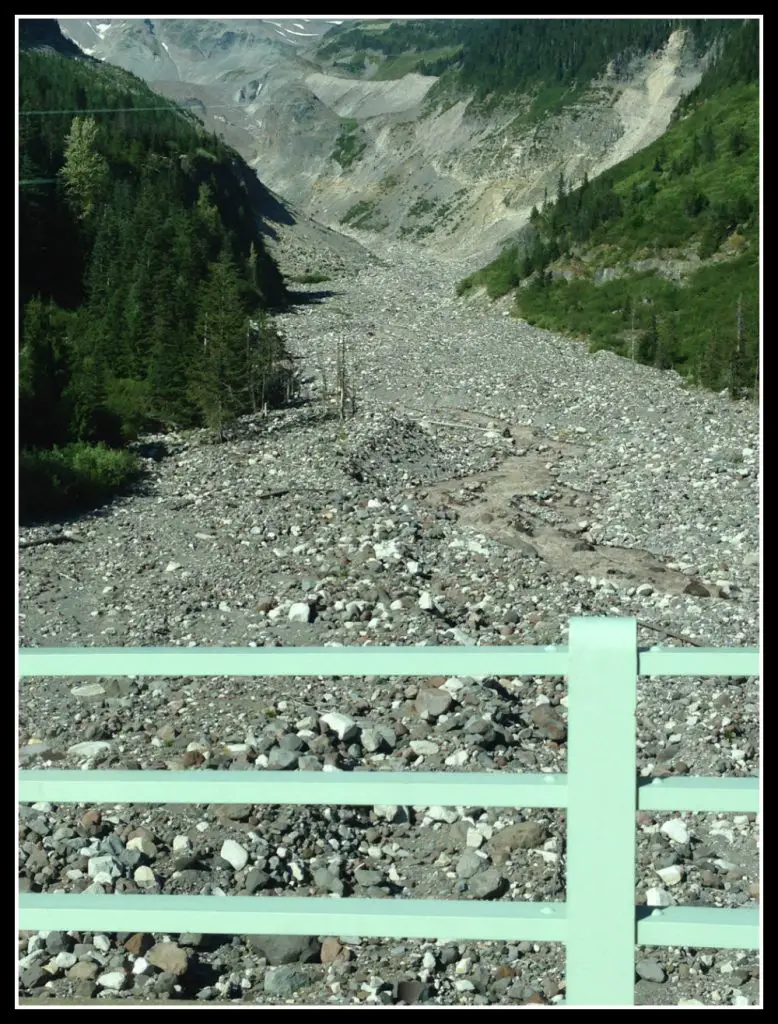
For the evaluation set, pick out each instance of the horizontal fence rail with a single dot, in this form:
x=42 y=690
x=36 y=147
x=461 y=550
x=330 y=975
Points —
x=366 y=661
x=600 y=792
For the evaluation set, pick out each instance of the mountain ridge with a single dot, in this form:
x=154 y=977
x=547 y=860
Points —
x=476 y=174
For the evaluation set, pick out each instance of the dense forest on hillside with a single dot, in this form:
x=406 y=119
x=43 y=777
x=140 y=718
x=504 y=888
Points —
x=144 y=280
x=586 y=265
x=498 y=58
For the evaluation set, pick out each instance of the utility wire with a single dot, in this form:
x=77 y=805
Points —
x=172 y=108
x=108 y=110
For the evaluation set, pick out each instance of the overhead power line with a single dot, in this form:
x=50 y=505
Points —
x=171 y=108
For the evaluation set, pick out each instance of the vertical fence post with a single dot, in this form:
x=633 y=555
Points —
x=602 y=801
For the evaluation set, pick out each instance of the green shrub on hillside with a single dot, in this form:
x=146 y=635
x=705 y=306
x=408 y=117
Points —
x=76 y=477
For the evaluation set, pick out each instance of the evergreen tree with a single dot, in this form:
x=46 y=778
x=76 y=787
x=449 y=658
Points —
x=708 y=143
x=89 y=420
x=738 y=142
x=663 y=346
x=560 y=189
x=85 y=171
x=648 y=347
x=170 y=351
x=712 y=362
x=696 y=150
x=43 y=376
x=220 y=381
x=739 y=372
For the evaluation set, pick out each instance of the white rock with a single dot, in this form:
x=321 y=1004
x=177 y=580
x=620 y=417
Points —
x=91 y=748
x=387 y=549
x=32 y=958
x=389 y=812
x=425 y=601
x=201 y=748
x=676 y=830
x=477 y=547
x=461 y=637
x=670 y=875
x=140 y=966
x=474 y=839
x=172 y=566
x=447 y=814
x=65 y=960
x=656 y=897
x=114 y=980
x=144 y=876
x=299 y=612
x=102 y=866
x=424 y=747
x=457 y=759
x=345 y=728
x=453 y=685
x=720 y=829
x=142 y=844
x=234 y=854
x=88 y=690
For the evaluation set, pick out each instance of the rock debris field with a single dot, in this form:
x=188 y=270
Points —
x=495 y=480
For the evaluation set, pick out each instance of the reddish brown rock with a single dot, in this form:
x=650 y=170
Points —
x=549 y=723
x=537 y=997
x=138 y=943
x=167 y=956
x=91 y=819
x=330 y=950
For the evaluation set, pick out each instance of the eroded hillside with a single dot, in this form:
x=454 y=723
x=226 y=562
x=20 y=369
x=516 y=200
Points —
x=393 y=154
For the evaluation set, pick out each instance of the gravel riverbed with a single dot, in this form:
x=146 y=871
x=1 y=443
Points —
x=495 y=480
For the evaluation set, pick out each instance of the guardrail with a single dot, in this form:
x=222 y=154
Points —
x=601 y=793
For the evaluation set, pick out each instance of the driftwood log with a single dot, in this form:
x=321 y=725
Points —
x=667 y=633
x=56 y=538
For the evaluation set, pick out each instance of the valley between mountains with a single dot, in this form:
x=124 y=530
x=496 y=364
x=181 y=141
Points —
x=495 y=480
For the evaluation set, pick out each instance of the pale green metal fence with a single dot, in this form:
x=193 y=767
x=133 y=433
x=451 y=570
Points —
x=599 y=923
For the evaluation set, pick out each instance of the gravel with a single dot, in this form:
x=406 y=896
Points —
x=495 y=480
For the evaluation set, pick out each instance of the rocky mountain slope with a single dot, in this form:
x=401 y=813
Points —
x=478 y=499
x=375 y=153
